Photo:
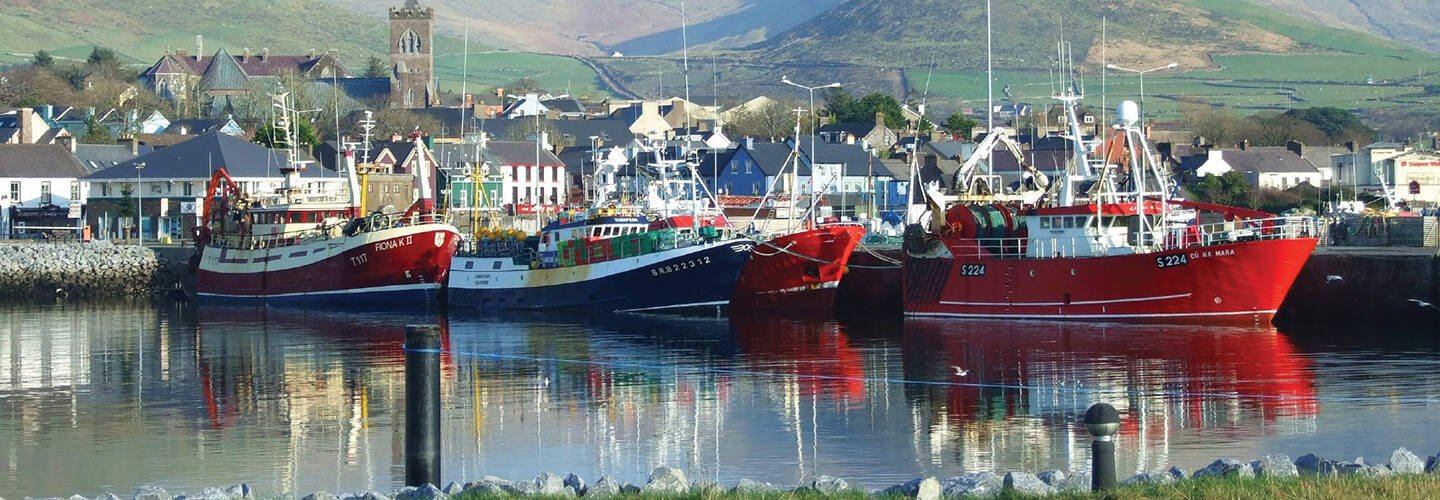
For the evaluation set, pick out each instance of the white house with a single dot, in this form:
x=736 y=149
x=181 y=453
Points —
x=34 y=177
x=25 y=126
x=526 y=182
x=1267 y=167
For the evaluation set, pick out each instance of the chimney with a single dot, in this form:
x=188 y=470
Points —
x=1244 y=145
x=26 y=114
x=48 y=112
x=67 y=141
x=181 y=53
x=879 y=118
x=312 y=53
x=245 y=55
x=500 y=92
x=1296 y=147
x=1199 y=141
x=1350 y=146
x=1166 y=150
x=199 y=46
x=132 y=142
x=932 y=161
x=850 y=138
x=264 y=53
x=749 y=142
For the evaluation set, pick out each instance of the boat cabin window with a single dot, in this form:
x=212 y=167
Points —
x=1069 y=222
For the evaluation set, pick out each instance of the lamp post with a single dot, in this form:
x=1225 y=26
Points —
x=139 y=205
x=1102 y=421
x=1142 y=81
x=814 y=124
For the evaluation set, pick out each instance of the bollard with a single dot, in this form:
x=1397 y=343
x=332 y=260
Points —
x=422 y=405
x=1102 y=421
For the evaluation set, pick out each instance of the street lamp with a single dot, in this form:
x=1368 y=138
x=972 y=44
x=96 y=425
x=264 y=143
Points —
x=139 y=205
x=1142 y=80
x=814 y=125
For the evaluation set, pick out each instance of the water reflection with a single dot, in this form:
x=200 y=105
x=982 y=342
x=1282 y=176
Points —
x=107 y=397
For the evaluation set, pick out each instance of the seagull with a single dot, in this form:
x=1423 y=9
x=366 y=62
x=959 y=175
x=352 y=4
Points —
x=960 y=372
x=1334 y=278
x=1422 y=303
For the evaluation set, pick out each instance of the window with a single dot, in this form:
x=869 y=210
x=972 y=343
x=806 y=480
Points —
x=754 y=188
x=74 y=190
x=1069 y=222
x=15 y=192
x=104 y=189
x=1044 y=223
x=188 y=190
x=45 y=193
x=734 y=168
x=748 y=165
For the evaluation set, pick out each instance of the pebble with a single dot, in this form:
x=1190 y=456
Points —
x=544 y=484
x=705 y=486
x=1026 y=483
x=1402 y=461
x=1179 y=474
x=667 y=480
x=1275 y=465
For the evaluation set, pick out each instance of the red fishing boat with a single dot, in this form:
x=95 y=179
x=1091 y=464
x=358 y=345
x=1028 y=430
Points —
x=1107 y=242
x=797 y=271
x=299 y=248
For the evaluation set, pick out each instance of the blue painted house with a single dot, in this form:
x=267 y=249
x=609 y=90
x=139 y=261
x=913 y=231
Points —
x=750 y=169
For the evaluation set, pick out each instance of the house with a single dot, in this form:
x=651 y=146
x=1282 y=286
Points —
x=1356 y=167
x=1264 y=167
x=873 y=134
x=97 y=157
x=178 y=76
x=26 y=126
x=38 y=181
x=193 y=126
x=564 y=108
x=848 y=174
x=527 y=182
x=650 y=124
x=752 y=106
x=527 y=105
x=752 y=168
x=683 y=113
x=173 y=181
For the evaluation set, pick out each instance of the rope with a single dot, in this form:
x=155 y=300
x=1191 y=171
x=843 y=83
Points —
x=893 y=381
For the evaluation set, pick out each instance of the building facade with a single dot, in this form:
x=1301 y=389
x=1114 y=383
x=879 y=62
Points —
x=412 y=58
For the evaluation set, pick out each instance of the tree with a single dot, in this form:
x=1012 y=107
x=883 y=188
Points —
x=1337 y=124
x=95 y=133
x=101 y=56
x=845 y=108
x=401 y=122
x=127 y=202
x=960 y=125
x=272 y=136
x=43 y=59
x=375 y=68
x=771 y=121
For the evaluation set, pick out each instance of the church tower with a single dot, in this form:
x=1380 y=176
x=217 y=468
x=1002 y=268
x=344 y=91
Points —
x=412 y=60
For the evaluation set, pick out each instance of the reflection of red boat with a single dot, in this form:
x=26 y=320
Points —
x=1195 y=367
x=816 y=351
x=800 y=270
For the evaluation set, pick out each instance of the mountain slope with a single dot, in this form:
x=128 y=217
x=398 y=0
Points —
x=1412 y=22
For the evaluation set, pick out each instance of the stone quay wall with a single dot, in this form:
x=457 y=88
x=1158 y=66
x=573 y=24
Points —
x=95 y=269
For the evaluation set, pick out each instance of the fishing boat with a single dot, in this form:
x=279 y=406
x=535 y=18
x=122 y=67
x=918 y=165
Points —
x=298 y=248
x=671 y=253
x=1106 y=241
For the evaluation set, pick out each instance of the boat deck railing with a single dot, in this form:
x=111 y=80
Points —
x=1175 y=237
x=322 y=231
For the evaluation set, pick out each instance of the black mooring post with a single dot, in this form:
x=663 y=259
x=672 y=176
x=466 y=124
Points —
x=1102 y=421
x=422 y=405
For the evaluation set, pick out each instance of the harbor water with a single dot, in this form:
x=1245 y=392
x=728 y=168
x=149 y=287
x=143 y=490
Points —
x=106 y=397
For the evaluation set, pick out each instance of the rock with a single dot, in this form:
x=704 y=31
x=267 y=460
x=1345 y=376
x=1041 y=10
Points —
x=1433 y=466
x=1026 y=483
x=1275 y=465
x=603 y=487
x=453 y=489
x=367 y=495
x=489 y=486
x=150 y=492
x=828 y=485
x=77 y=497
x=979 y=484
x=920 y=488
x=666 y=480
x=424 y=492
x=320 y=495
x=1178 y=473
x=104 y=496
x=1051 y=476
x=206 y=494
x=544 y=484
x=748 y=486
x=1076 y=482
x=1161 y=477
x=576 y=483
x=1402 y=461
x=239 y=492
x=1226 y=467
x=1316 y=465
x=629 y=489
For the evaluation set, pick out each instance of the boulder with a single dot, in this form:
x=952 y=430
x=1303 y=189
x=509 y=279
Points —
x=606 y=486
x=666 y=480
x=453 y=489
x=367 y=495
x=151 y=492
x=748 y=486
x=544 y=484
x=705 y=486
x=978 y=484
x=77 y=497
x=320 y=495
x=629 y=489
x=239 y=492
x=1178 y=473
x=1313 y=464
x=1402 y=461
x=105 y=496
x=576 y=483
x=1160 y=477
x=206 y=494
x=1051 y=476
x=1275 y=465
x=1026 y=483
x=828 y=485
x=1075 y=482
x=1226 y=467
x=1433 y=466
x=920 y=488
x=423 y=492
x=489 y=486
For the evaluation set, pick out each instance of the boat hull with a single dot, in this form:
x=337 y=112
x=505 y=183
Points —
x=1235 y=282
x=398 y=267
x=694 y=278
x=798 y=271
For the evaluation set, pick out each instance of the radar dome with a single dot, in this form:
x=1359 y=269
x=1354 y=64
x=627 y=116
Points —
x=1128 y=112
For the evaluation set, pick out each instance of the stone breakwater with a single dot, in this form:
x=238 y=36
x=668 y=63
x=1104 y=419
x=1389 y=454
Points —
x=76 y=270
x=667 y=481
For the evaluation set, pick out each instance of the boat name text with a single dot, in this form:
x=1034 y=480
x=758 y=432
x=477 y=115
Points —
x=393 y=244
x=680 y=266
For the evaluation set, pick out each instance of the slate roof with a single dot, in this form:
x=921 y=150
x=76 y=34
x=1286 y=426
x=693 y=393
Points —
x=519 y=153
x=195 y=158
x=1270 y=160
x=770 y=158
x=254 y=65
x=576 y=133
x=857 y=129
x=37 y=161
x=894 y=167
x=195 y=126
x=225 y=74
x=564 y=105
x=857 y=161
x=361 y=89
x=97 y=157
x=951 y=149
